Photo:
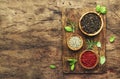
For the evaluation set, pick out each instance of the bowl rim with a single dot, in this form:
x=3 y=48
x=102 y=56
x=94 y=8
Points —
x=91 y=34
x=86 y=66
x=75 y=49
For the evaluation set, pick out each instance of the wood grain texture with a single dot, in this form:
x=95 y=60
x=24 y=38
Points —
x=112 y=49
x=74 y=15
x=31 y=39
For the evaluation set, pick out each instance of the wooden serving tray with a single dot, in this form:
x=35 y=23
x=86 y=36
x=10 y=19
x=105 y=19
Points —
x=74 y=15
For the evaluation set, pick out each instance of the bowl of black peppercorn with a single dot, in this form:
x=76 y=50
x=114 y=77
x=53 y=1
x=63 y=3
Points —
x=91 y=23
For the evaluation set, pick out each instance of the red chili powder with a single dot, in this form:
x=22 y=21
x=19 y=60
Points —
x=88 y=59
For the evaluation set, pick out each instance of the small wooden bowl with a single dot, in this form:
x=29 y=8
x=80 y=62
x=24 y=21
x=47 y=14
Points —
x=75 y=49
x=91 y=34
x=97 y=60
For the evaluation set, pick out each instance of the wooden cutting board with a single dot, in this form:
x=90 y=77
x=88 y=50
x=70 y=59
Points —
x=74 y=15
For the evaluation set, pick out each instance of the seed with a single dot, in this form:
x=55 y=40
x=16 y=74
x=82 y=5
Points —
x=75 y=42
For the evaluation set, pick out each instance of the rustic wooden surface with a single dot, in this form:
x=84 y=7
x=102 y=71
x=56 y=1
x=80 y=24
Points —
x=75 y=15
x=30 y=39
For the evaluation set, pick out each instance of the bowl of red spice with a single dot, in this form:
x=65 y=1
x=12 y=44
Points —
x=88 y=59
x=91 y=23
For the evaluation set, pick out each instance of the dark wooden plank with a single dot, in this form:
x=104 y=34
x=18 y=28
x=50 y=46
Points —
x=74 y=15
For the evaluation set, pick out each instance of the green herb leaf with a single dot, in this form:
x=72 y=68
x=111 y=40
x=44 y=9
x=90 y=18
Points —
x=68 y=29
x=72 y=61
x=102 y=60
x=71 y=23
x=72 y=67
x=112 y=39
x=90 y=44
x=103 y=10
x=99 y=44
x=52 y=66
x=98 y=8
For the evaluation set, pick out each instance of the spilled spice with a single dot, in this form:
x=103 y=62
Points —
x=88 y=59
x=91 y=23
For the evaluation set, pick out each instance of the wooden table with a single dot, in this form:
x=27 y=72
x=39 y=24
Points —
x=30 y=39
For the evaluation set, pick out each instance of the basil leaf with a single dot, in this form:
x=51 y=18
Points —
x=98 y=8
x=52 y=66
x=102 y=60
x=69 y=60
x=72 y=67
x=112 y=39
x=72 y=61
x=68 y=29
x=99 y=44
x=103 y=10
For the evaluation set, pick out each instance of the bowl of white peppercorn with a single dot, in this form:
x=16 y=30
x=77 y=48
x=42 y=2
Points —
x=75 y=42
